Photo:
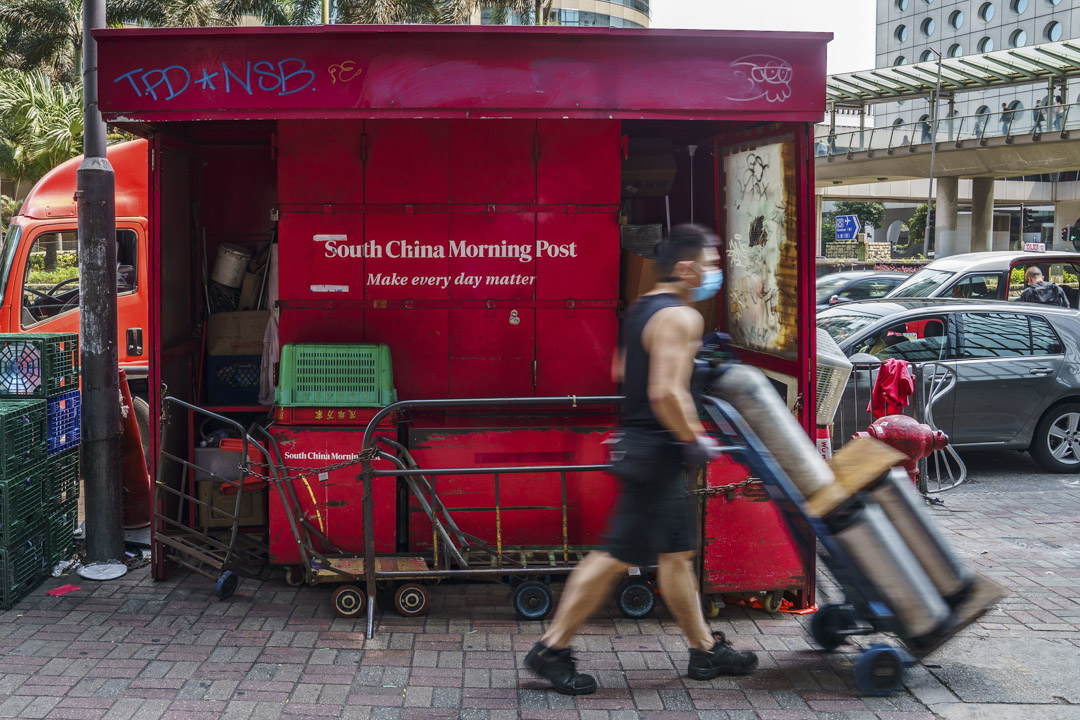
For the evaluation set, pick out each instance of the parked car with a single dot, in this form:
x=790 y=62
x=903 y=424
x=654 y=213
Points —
x=991 y=276
x=855 y=285
x=1017 y=367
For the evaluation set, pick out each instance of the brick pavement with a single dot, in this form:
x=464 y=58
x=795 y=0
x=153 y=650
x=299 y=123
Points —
x=136 y=648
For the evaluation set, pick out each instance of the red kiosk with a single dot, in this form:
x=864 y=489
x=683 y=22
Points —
x=473 y=198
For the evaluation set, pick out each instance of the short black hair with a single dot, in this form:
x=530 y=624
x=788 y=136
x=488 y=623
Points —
x=685 y=243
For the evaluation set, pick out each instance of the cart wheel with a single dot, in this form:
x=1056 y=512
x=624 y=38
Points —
x=880 y=670
x=773 y=600
x=348 y=601
x=533 y=600
x=635 y=598
x=226 y=585
x=411 y=600
x=828 y=624
x=710 y=608
x=294 y=576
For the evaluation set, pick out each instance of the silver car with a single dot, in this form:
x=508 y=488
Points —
x=1017 y=368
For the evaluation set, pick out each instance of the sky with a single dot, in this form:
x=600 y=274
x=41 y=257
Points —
x=852 y=22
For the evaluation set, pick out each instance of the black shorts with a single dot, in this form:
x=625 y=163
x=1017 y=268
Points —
x=654 y=513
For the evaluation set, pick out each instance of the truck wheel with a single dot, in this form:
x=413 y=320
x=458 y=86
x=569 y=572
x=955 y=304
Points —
x=1056 y=444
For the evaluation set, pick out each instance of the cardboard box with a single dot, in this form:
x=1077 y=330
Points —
x=222 y=463
x=649 y=168
x=236 y=333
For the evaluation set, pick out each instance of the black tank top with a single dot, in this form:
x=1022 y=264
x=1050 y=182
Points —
x=637 y=412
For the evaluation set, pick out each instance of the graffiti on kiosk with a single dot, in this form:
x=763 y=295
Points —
x=338 y=247
x=285 y=77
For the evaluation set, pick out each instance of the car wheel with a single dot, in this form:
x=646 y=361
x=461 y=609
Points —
x=1056 y=445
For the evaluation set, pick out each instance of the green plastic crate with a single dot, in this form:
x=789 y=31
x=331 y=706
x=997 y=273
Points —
x=21 y=504
x=328 y=375
x=38 y=365
x=23 y=434
x=23 y=566
x=60 y=526
x=62 y=484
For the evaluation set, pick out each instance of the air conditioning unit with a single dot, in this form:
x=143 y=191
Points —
x=833 y=371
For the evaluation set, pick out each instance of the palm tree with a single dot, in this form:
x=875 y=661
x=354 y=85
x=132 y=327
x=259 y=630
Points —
x=41 y=124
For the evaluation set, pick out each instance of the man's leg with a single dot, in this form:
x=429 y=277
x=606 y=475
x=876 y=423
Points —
x=588 y=587
x=678 y=583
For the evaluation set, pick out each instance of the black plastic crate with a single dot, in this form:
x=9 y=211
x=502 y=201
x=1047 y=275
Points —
x=23 y=566
x=21 y=504
x=61 y=525
x=62 y=485
x=22 y=434
x=38 y=365
x=233 y=379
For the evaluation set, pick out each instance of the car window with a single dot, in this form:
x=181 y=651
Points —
x=1044 y=341
x=868 y=290
x=1004 y=335
x=922 y=283
x=841 y=325
x=51 y=276
x=1065 y=275
x=979 y=286
x=922 y=339
x=829 y=286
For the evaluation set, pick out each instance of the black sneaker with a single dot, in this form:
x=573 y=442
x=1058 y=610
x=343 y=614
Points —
x=721 y=660
x=558 y=667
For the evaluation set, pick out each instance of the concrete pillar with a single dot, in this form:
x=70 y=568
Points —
x=945 y=222
x=982 y=213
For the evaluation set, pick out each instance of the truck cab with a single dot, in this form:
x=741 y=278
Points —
x=40 y=277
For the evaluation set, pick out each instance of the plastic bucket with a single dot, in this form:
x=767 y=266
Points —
x=230 y=265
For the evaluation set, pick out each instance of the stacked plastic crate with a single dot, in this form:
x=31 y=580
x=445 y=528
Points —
x=39 y=457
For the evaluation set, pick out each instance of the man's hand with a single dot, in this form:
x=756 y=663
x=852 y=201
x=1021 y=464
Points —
x=701 y=451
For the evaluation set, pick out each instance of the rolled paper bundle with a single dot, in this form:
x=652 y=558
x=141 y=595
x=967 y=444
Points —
x=897 y=497
x=751 y=393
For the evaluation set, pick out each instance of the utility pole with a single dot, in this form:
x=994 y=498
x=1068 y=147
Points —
x=325 y=12
x=97 y=330
x=933 y=154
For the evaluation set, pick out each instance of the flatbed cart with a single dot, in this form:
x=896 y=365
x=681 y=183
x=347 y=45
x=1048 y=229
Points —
x=455 y=553
x=880 y=668
x=215 y=553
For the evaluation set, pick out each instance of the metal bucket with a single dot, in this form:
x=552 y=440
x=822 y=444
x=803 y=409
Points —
x=230 y=265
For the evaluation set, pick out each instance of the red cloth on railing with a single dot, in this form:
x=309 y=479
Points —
x=892 y=389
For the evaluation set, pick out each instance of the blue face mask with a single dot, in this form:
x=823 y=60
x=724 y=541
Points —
x=711 y=281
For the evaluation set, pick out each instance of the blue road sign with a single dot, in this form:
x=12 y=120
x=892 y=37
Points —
x=847 y=227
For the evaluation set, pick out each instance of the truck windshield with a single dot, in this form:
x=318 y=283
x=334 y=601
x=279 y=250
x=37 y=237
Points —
x=11 y=243
x=922 y=283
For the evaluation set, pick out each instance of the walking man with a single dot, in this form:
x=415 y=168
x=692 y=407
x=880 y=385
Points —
x=1006 y=119
x=655 y=519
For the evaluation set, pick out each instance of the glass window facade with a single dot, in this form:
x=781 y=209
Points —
x=986 y=11
x=570 y=18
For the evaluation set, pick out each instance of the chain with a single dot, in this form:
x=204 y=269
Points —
x=301 y=472
x=728 y=491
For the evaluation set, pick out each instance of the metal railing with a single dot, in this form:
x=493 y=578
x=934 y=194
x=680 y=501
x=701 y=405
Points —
x=1042 y=123
x=944 y=469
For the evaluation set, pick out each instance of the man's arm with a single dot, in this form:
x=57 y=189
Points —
x=671 y=338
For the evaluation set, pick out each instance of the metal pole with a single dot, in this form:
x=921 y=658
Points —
x=97 y=289
x=325 y=12
x=933 y=155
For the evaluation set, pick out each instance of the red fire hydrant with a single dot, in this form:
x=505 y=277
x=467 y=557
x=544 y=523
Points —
x=909 y=436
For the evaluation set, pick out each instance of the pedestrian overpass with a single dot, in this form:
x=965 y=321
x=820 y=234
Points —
x=1027 y=141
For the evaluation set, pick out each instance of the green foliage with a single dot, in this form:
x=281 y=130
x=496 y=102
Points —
x=917 y=225
x=40 y=124
x=63 y=261
x=8 y=207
